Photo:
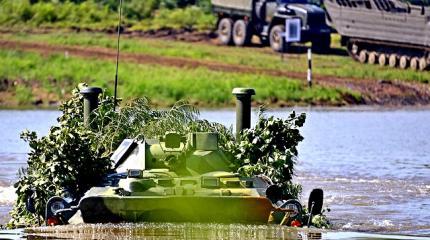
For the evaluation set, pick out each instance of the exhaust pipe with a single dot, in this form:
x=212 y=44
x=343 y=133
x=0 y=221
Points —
x=91 y=101
x=243 y=108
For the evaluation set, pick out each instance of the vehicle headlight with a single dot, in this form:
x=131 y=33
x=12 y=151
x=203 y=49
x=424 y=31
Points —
x=292 y=206
x=57 y=205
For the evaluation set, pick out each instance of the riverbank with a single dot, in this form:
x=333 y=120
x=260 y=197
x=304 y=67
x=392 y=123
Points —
x=40 y=68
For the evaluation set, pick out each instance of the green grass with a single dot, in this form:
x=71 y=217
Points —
x=164 y=85
x=180 y=18
x=23 y=94
x=334 y=65
x=102 y=15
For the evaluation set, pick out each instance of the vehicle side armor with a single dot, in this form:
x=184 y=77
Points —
x=388 y=32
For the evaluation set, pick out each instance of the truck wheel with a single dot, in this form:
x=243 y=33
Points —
x=225 y=32
x=322 y=44
x=277 y=40
x=241 y=33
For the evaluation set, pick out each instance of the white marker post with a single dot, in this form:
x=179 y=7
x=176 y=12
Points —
x=309 y=67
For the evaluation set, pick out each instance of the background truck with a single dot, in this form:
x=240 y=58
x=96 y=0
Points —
x=239 y=20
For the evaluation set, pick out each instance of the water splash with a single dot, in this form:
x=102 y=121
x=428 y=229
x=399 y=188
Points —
x=7 y=195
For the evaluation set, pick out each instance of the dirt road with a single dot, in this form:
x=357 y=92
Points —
x=379 y=92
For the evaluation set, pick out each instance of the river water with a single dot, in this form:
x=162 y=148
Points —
x=373 y=164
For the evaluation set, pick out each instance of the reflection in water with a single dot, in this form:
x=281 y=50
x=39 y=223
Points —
x=173 y=231
x=167 y=231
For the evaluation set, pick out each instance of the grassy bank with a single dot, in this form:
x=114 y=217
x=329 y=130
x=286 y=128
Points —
x=336 y=64
x=29 y=77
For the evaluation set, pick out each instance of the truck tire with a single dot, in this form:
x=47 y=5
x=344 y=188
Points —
x=276 y=38
x=225 y=31
x=322 y=44
x=241 y=33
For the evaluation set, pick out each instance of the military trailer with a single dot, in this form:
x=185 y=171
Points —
x=384 y=32
x=239 y=20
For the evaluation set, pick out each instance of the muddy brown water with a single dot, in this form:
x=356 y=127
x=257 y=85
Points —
x=373 y=164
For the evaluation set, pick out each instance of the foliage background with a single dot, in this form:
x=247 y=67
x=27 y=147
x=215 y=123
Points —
x=75 y=157
x=102 y=14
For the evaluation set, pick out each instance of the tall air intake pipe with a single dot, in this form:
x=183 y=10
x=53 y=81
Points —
x=91 y=101
x=243 y=108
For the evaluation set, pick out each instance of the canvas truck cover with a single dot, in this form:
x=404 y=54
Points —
x=241 y=5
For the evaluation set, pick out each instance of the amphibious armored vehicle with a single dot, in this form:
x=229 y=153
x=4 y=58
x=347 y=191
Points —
x=177 y=179
x=185 y=178
x=387 y=32
x=239 y=20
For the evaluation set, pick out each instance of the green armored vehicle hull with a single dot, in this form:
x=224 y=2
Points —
x=175 y=204
x=144 y=188
x=178 y=179
x=175 y=209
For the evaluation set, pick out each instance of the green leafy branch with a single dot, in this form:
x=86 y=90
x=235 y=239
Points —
x=270 y=148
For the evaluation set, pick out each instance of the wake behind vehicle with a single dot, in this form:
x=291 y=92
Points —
x=239 y=20
x=384 y=32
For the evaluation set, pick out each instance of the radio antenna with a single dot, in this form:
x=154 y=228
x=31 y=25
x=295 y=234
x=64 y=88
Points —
x=117 y=55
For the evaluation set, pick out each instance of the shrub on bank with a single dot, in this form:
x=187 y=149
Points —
x=54 y=14
x=182 y=18
x=74 y=157
x=102 y=14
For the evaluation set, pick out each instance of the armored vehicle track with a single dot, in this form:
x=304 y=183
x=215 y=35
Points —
x=385 y=32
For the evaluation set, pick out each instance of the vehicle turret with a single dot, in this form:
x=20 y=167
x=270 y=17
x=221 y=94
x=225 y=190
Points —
x=189 y=155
